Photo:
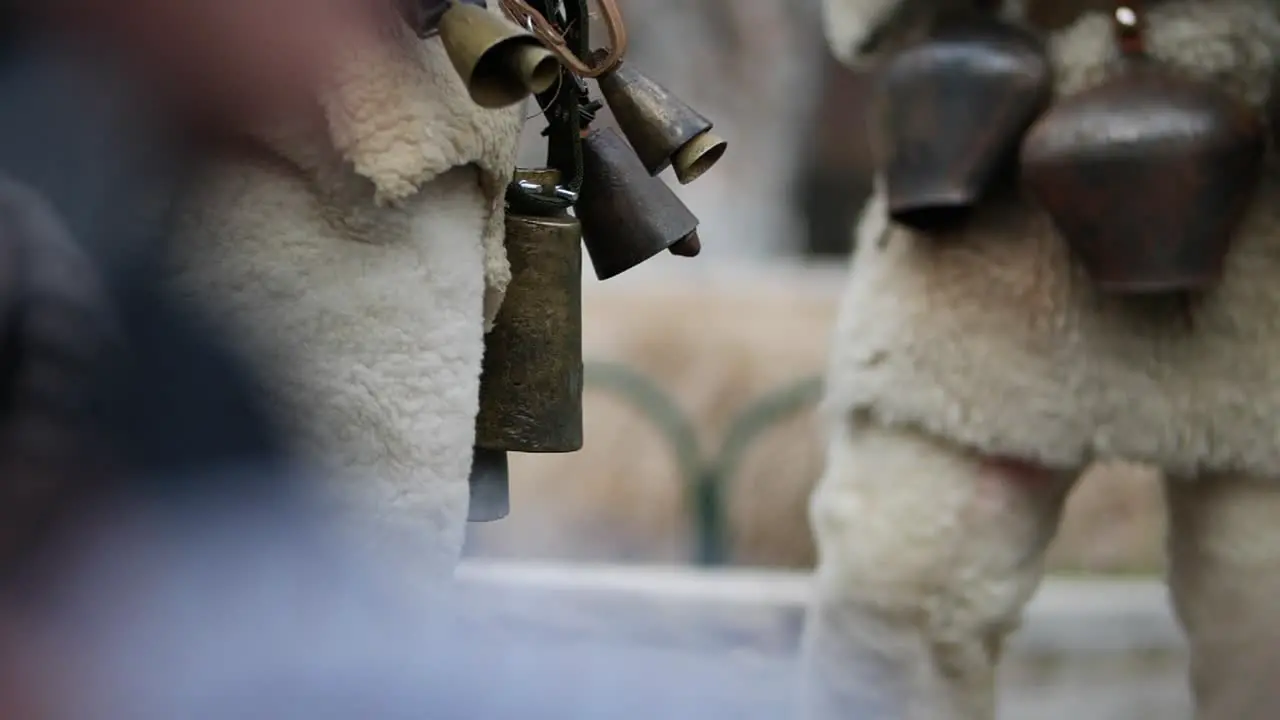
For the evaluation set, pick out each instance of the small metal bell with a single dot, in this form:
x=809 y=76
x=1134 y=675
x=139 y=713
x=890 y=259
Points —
x=490 y=486
x=499 y=62
x=627 y=215
x=664 y=131
x=951 y=111
x=531 y=378
x=1146 y=176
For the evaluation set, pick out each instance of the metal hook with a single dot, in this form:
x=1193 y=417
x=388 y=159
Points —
x=559 y=191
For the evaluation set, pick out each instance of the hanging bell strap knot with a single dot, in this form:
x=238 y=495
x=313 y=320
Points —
x=524 y=14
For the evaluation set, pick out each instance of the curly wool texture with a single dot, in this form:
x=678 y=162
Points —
x=401 y=116
x=362 y=262
x=995 y=340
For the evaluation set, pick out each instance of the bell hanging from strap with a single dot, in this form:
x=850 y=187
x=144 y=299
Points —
x=951 y=110
x=499 y=62
x=1153 y=209
x=531 y=377
x=627 y=215
x=663 y=129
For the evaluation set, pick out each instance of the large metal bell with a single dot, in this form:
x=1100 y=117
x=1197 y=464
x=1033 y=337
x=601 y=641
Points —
x=627 y=215
x=951 y=111
x=1147 y=177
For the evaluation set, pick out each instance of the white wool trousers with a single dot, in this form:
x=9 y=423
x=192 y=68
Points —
x=928 y=554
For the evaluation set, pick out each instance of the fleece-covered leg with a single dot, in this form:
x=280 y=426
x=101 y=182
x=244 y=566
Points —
x=1224 y=573
x=927 y=554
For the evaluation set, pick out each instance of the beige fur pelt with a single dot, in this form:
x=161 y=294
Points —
x=361 y=257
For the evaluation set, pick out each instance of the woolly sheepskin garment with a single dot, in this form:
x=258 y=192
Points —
x=363 y=261
x=974 y=375
x=996 y=340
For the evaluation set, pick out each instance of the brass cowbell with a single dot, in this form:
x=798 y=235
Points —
x=951 y=111
x=531 y=378
x=627 y=215
x=663 y=130
x=1152 y=209
x=499 y=62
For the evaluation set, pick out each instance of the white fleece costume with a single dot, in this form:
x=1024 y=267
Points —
x=970 y=382
x=363 y=260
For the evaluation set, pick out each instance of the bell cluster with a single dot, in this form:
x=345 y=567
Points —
x=604 y=193
x=1149 y=211
x=628 y=215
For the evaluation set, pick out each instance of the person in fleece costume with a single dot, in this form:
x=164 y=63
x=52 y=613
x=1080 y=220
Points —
x=971 y=381
x=358 y=253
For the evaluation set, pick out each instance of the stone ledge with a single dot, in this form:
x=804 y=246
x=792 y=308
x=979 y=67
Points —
x=762 y=610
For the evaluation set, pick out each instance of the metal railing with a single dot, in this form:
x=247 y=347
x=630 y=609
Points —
x=706 y=475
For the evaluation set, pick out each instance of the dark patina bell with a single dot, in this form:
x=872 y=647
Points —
x=1146 y=176
x=662 y=128
x=951 y=111
x=627 y=215
x=531 y=378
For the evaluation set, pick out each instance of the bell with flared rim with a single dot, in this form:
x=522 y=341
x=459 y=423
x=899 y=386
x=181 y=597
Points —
x=627 y=215
x=950 y=113
x=1146 y=176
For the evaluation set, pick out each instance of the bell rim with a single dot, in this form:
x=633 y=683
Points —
x=708 y=149
x=944 y=199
